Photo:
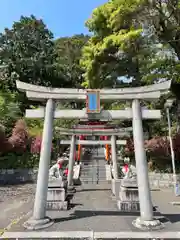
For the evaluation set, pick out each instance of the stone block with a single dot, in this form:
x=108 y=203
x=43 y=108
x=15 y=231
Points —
x=129 y=182
x=128 y=206
x=166 y=176
x=57 y=205
x=163 y=183
x=55 y=182
x=128 y=194
x=10 y=171
x=154 y=183
x=56 y=194
x=3 y=171
x=115 y=186
x=171 y=184
x=178 y=177
x=155 y=176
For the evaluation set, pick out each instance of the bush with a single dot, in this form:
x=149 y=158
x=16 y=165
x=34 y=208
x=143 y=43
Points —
x=176 y=145
x=129 y=149
x=5 y=146
x=36 y=145
x=15 y=161
x=19 y=138
x=158 y=146
x=158 y=152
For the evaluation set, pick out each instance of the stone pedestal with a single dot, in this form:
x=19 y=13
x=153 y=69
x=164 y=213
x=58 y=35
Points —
x=128 y=196
x=115 y=187
x=57 y=195
x=56 y=199
x=56 y=182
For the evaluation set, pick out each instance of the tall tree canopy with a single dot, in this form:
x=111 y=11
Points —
x=69 y=51
x=28 y=54
x=126 y=42
x=113 y=51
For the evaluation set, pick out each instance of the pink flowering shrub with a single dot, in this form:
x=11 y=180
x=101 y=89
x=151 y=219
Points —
x=36 y=145
x=158 y=146
x=19 y=138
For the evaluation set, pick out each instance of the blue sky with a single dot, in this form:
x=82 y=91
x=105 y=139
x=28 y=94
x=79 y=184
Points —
x=63 y=17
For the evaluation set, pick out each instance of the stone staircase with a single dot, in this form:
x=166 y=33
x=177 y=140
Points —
x=93 y=168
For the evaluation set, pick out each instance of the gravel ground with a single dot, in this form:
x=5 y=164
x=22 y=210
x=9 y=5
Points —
x=15 y=201
x=16 y=191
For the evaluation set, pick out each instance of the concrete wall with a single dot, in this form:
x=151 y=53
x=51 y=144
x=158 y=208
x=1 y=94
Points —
x=15 y=176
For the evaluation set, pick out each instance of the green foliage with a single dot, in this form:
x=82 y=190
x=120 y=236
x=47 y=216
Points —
x=35 y=127
x=125 y=43
x=27 y=51
x=9 y=110
x=117 y=48
x=69 y=53
x=15 y=161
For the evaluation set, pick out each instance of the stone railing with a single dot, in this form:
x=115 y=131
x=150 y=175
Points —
x=16 y=176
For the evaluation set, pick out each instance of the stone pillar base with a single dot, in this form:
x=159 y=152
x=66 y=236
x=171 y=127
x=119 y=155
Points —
x=128 y=206
x=33 y=224
x=57 y=205
x=154 y=224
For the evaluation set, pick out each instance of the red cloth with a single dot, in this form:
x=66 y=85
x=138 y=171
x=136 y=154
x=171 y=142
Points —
x=60 y=165
x=126 y=167
x=66 y=171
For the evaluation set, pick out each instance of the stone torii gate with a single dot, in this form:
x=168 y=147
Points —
x=136 y=113
x=93 y=132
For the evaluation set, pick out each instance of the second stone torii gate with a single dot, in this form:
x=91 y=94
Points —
x=39 y=219
x=113 y=142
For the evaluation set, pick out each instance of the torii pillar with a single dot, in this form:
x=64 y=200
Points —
x=39 y=219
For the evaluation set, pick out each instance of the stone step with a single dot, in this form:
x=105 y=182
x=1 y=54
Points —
x=60 y=235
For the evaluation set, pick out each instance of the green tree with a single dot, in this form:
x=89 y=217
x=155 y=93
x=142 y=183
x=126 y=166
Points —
x=9 y=110
x=161 y=18
x=126 y=42
x=28 y=54
x=117 y=48
x=69 y=51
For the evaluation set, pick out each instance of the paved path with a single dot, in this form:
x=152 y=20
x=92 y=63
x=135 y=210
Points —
x=93 y=209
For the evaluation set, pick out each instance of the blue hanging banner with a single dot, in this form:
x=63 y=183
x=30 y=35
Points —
x=93 y=101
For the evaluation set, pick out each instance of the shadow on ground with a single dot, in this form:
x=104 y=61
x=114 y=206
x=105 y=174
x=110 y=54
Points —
x=92 y=190
x=79 y=214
